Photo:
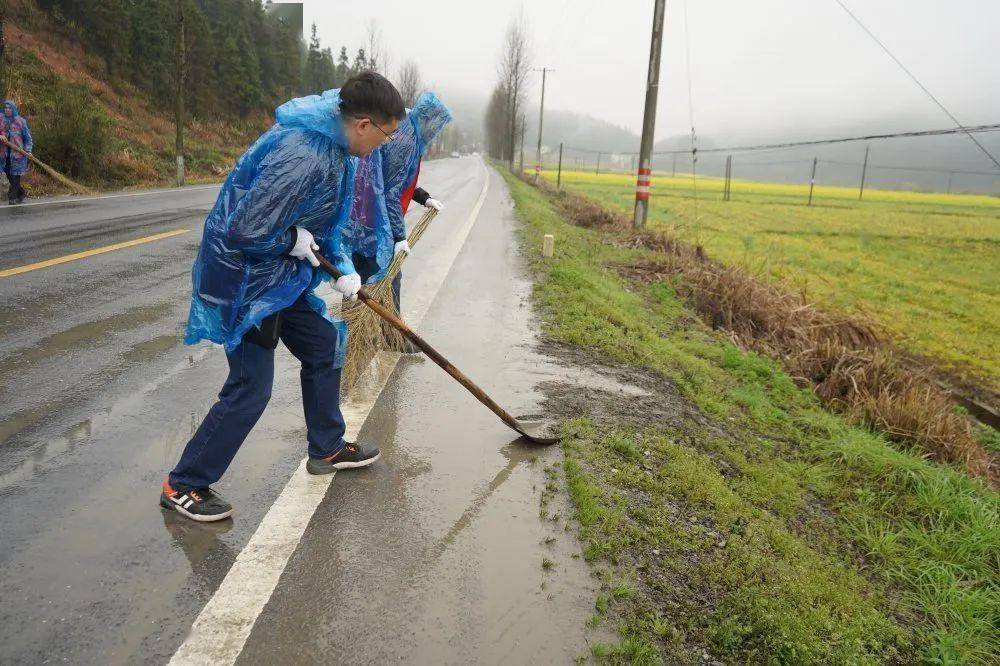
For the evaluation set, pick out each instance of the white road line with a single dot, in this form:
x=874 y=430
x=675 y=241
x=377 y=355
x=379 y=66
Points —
x=55 y=202
x=221 y=629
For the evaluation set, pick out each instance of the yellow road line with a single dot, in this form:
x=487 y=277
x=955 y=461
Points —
x=89 y=253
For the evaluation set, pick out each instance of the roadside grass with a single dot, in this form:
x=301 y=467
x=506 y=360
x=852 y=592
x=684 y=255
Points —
x=791 y=538
x=923 y=265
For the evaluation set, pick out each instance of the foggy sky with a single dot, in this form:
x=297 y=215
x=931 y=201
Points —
x=787 y=67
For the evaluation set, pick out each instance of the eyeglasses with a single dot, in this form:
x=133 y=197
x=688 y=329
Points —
x=389 y=136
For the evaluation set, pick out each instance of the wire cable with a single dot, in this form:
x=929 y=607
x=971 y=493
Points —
x=917 y=81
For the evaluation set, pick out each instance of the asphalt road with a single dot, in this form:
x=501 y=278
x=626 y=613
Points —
x=431 y=556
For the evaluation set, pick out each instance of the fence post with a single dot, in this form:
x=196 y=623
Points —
x=729 y=173
x=559 y=170
x=864 y=172
x=812 y=181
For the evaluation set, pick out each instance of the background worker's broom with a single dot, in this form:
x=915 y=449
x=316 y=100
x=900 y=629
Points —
x=367 y=333
x=71 y=184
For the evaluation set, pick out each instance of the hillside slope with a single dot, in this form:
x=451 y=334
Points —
x=101 y=131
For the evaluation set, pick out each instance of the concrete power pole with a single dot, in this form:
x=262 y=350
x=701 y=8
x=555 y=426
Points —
x=179 y=109
x=649 y=119
x=541 y=116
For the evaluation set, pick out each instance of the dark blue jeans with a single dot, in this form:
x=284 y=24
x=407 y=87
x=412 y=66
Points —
x=313 y=341
x=367 y=267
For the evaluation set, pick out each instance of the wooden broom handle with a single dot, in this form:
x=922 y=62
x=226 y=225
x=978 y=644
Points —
x=398 y=324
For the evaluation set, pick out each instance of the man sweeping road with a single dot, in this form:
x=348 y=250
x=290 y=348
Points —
x=254 y=281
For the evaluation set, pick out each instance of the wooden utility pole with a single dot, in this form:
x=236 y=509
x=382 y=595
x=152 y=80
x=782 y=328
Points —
x=541 y=116
x=181 y=83
x=645 y=171
x=559 y=169
x=597 y=171
x=864 y=173
x=812 y=181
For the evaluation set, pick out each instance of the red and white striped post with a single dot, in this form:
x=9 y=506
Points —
x=642 y=184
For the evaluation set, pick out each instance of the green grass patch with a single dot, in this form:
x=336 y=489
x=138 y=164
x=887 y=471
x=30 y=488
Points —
x=780 y=533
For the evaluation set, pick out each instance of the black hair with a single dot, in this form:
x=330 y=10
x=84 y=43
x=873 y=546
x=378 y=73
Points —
x=370 y=95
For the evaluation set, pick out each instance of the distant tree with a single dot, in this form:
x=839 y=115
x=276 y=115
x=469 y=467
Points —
x=408 y=82
x=378 y=53
x=497 y=123
x=360 y=62
x=314 y=62
x=514 y=69
x=343 y=71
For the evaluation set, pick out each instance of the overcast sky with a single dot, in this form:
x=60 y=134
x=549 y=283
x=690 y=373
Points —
x=794 y=67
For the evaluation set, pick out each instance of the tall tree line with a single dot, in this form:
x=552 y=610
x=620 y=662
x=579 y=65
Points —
x=238 y=58
x=505 y=111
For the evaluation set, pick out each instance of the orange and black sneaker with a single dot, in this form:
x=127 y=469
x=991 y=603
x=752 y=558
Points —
x=350 y=456
x=202 y=504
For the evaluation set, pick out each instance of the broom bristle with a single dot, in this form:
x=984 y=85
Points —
x=367 y=333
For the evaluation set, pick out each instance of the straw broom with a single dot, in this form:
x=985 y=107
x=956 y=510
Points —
x=367 y=333
x=71 y=184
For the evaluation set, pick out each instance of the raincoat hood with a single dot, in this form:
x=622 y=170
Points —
x=319 y=113
x=377 y=213
x=12 y=105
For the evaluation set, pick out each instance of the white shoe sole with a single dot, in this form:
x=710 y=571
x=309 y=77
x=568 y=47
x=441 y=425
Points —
x=355 y=465
x=197 y=517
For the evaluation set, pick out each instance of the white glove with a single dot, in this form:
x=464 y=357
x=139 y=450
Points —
x=401 y=246
x=435 y=204
x=348 y=285
x=304 y=246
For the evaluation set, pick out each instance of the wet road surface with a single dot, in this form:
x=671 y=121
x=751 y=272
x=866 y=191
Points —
x=434 y=555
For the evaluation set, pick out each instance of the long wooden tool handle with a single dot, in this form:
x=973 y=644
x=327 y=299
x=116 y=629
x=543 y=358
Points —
x=45 y=167
x=445 y=364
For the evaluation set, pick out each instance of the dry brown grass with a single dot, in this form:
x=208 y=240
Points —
x=845 y=361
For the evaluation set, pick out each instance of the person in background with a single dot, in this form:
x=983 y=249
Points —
x=385 y=184
x=14 y=128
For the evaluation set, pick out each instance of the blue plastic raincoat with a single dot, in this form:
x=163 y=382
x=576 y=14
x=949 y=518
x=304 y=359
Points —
x=383 y=177
x=298 y=173
x=15 y=129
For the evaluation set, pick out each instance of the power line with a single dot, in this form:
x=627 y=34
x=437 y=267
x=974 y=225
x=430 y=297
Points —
x=917 y=81
x=815 y=142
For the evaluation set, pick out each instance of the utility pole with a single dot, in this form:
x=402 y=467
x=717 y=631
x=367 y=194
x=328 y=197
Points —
x=673 y=174
x=729 y=174
x=559 y=169
x=597 y=171
x=541 y=116
x=645 y=170
x=812 y=181
x=179 y=109
x=864 y=172
x=950 y=176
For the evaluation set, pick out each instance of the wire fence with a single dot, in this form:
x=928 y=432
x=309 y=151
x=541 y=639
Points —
x=751 y=167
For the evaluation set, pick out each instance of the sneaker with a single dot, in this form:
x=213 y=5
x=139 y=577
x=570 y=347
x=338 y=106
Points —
x=349 y=457
x=203 y=504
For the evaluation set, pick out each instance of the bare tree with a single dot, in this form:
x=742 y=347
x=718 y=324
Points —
x=409 y=83
x=378 y=52
x=497 y=124
x=514 y=70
